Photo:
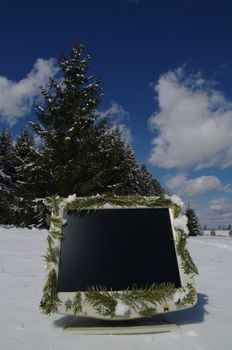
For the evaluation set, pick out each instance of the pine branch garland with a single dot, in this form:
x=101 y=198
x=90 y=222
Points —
x=76 y=304
x=50 y=300
x=50 y=256
x=189 y=298
x=97 y=202
x=187 y=262
x=101 y=300
x=142 y=299
x=68 y=305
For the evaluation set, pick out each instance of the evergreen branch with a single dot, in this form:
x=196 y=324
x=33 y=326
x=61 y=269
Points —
x=55 y=204
x=50 y=256
x=142 y=299
x=56 y=226
x=189 y=298
x=68 y=304
x=50 y=300
x=147 y=312
x=101 y=300
x=48 y=219
x=187 y=262
x=76 y=304
x=123 y=201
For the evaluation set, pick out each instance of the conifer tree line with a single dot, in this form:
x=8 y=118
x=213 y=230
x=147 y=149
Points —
x=79 y=150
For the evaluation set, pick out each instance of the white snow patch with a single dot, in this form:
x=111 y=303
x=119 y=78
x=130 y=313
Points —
x=71 y=198
x=121 y=308
x=180 y=295
x=181 y=223
x=177 y=200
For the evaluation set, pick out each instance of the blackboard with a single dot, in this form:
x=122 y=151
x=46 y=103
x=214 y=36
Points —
x=117 y=248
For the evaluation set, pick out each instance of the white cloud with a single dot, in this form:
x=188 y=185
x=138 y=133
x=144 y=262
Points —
x=183 y=186
x=118 y=117
x=17 y=97
x=117 y=112
x=219 y=212
x=193 y=124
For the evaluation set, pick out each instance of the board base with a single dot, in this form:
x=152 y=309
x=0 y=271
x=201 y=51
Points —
x=80 y=325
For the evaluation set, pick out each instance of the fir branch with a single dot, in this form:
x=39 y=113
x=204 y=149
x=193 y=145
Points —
x=147 y=312
x=50 y=300
x=55 y=204
x=187 y=262
x=101 y=300
x=56 y=227
x=76 y=304
x=123 y=201
x=142 y=299
x=50 y=256
x=68 y=304
x=48 y=219
x=189 y=298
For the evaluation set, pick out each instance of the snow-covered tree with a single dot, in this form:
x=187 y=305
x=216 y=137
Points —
x=28 y=205
x=193 y=223
x=80 y=152
x=150 y=186
x=26 y=154
x=8 y=178
x=69 y=125
x=122 y=170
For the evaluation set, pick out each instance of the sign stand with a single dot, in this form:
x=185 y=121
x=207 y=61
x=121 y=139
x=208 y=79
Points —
x=83 y=325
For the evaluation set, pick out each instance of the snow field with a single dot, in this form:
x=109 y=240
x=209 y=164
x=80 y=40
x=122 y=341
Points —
x=206 y=326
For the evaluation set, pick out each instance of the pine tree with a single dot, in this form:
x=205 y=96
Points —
x=69 y=126
x=150 y=186
x=193 y=224
x=26 y=154
x=28 y=208
x=8 y=179
x=80 y=152
x=123 y=170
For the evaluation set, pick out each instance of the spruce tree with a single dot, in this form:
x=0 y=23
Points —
x=69 y=127
x=8 y=179
x=28 y=207
x=80 y=152
x=192 y=223
x=123 y=170
x=150 y=186
x=26 y=155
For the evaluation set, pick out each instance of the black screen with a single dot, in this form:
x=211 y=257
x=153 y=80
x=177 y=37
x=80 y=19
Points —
x=117 y=248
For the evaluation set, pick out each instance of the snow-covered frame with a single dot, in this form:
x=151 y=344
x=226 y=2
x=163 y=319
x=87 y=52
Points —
x=100 y=303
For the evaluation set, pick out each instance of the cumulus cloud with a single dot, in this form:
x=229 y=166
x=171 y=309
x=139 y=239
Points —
x=193 y=123
x=118 y=118
x=196 y=186
x=17 y=97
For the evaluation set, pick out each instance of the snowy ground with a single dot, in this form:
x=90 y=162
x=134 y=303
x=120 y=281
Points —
x=224 y=233
x=22 y=326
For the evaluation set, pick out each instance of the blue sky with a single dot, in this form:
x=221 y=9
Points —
x=166 y=68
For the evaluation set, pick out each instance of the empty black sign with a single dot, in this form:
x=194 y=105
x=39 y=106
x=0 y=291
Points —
x=117 y=248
